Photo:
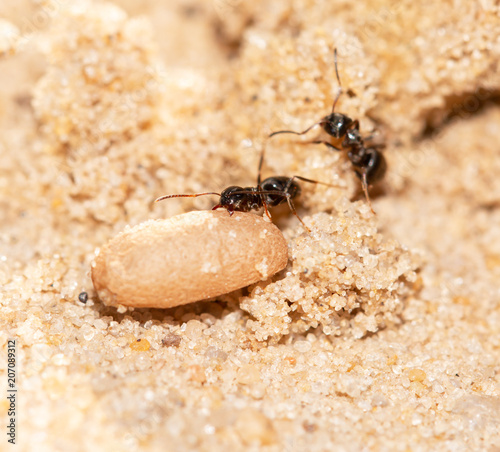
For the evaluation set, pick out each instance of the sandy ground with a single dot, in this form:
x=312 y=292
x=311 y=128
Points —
x=383 y=331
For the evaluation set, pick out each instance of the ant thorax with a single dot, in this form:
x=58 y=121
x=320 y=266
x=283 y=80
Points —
x=353 y=139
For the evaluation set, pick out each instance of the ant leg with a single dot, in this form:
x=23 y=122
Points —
x=266 y=210
x=312 y=181
x=364 y=184
x=374 y=134
x=290 y=203
x=218 y=206
x=298 y=133
x=259 y=188
x=289 y=196
x=292 y=208
x=230 y=211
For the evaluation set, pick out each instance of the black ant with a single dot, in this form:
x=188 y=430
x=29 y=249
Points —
x=271 y=192
x=369 y=163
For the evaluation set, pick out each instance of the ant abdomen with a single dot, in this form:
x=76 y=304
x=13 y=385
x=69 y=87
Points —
x=371 y=163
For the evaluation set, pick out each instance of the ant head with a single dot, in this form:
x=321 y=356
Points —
x=236 y=198
x=336 y=124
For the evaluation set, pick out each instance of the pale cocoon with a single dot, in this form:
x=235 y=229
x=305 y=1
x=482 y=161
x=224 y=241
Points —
x=186 y=258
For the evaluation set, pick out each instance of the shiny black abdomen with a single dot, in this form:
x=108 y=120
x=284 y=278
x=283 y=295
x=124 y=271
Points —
x=279 y=184
x=370 y=162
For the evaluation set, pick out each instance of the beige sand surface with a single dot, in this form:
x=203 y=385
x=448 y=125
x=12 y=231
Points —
x=381 y=334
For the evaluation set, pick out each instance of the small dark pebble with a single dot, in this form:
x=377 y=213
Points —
x=309 y=427
x=83 y=297
x=171 y=340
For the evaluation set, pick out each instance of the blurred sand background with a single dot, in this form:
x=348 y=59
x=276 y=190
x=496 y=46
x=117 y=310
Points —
x=105 y=106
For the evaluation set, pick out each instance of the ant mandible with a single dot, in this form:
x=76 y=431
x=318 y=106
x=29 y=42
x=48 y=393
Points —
x=369 y=163
x=271 y=192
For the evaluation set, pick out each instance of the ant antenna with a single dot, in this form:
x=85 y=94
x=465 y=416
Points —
x=324 y=120
x=339 y=92
x=161 y=198
x=319 y=123
x=261 y=162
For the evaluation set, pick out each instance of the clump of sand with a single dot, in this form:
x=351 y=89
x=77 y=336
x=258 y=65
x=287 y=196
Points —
x=344 y=277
